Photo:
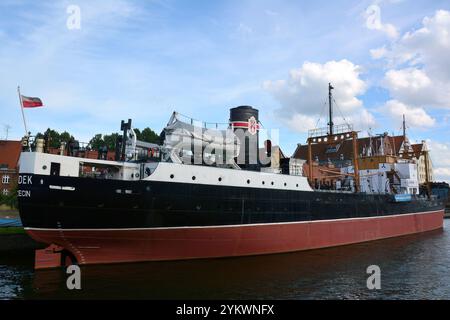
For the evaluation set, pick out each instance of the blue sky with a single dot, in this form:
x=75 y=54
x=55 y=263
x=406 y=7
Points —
x=145 y=59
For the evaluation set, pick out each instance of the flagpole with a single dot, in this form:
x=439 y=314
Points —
x=23 y=113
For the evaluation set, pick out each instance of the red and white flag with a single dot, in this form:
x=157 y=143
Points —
x=31 y=102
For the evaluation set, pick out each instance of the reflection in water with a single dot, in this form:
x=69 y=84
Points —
x=411 y=267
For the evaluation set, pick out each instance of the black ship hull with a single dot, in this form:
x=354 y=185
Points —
x=97 y=204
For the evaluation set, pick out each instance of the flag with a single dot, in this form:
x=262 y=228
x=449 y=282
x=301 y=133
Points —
x=31 y=102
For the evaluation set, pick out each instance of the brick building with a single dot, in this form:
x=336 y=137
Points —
x=9 y=158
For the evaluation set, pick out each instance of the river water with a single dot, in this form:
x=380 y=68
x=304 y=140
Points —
x=412 y=267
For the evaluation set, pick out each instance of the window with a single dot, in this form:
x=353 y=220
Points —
x=5 y=179
x=5 y=192
x=55 y=168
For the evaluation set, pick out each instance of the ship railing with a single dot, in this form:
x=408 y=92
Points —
x=199 y=123
x=337 y=129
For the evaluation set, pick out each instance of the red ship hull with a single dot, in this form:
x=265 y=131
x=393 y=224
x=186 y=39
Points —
x=132 y=245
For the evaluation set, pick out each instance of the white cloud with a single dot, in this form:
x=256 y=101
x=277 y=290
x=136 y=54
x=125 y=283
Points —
x=416 y=117
x=300 y=123
x=429 y=45
x=378 y=53
x=373 y=22
x=425 y=80
x=440 y=155
x=304 y=94
x=414 y=87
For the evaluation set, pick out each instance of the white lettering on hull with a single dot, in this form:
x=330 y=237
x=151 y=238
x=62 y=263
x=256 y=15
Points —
x=24 y=193
x=25 y=180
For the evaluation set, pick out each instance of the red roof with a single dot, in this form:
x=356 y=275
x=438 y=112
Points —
x=9 y=153
x=417 y=148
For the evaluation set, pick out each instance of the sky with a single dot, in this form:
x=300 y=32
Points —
x=94 y=63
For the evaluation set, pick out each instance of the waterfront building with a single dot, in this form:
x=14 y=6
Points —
x=9 y=158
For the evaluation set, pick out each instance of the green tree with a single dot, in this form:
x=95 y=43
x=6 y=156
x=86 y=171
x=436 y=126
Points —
x=110 y=140
x=148 y=135
x=65 y=137
x=53 y=138
x=97 y=141
x=11 y=198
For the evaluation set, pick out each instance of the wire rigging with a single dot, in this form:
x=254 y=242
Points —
x=342 y=115
x=321 y=114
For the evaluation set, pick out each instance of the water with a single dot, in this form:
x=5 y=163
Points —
x=412 y=267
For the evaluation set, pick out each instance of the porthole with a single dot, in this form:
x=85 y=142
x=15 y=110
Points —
x=272 y=183
x=248 y=181
x=44 y=167
x=263 y=182
x=172 y=176
x=297 y=185
x=220 y=179
x=193 y=178
x=285 y=184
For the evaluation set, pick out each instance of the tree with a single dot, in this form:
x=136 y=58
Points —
x=53 y=138
x=11 y=198
x=148 y=135
x=97 y=142
x=110 y=140
x=65 y=137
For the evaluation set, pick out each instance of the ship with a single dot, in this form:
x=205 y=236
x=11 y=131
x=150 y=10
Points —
x=167 y=201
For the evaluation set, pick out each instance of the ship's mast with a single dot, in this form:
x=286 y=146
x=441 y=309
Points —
x=404 y=128
x=330 y=103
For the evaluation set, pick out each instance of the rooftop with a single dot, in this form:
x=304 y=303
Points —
x=9 y=153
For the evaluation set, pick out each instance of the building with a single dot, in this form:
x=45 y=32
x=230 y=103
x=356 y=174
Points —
x=371 y=152
x=276 y=158
x=340 y=154
x=418 y=150
x=9 y=158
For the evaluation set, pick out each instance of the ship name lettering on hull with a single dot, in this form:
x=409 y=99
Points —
x=24 y=193
x=25 y=180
